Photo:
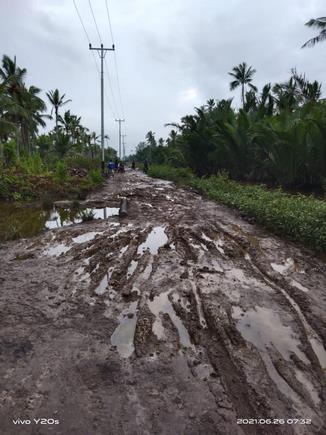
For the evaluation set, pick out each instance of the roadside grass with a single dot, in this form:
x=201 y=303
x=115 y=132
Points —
x=299 y=218
x=18 y=185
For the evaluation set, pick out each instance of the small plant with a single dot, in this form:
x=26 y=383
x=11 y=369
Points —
x=9 y=153
x=32 y=165
x=61 y=172
x=86 y=215
x=95 y=176
x=17 y=196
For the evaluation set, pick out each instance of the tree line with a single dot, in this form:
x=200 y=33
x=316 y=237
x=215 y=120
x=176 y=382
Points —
x=23 y=114
x=278 y=136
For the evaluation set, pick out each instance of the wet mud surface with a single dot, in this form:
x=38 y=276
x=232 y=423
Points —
x=178 y=319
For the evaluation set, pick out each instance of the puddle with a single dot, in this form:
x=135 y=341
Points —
x=148 y=270
x=17 y=220
x=105 y=212
x=263 y=326
x=86 y=237
x=56 y=250
x=123 y=250
x=285 y=267
x=155 y=240
x=162 y=305
x=313 y=338
x=204 y=237
x=103 y=286
x=131 y=269
x=219 y=245
x=123 y=335
x=64 y=217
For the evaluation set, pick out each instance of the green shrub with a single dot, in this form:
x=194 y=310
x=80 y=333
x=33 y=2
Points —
x=32 y=165
x=95 y=176
x=61 y=171
x=86 y=215
x=9 y=153
x=178 y=175
x=80 y=161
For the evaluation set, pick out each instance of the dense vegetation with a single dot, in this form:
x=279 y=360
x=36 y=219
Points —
x=63 y=161
x=277 y=137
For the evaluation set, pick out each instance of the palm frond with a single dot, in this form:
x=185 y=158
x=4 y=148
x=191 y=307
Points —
x=319 y=23
x=313 y=41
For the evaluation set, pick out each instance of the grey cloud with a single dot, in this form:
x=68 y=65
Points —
x=172 y=55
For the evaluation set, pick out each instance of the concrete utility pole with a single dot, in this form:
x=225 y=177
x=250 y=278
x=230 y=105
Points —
x=119 y=121
x=102 y=52
x=123 y=146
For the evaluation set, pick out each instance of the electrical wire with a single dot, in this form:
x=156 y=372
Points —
x=115 y=58
x=94 y=58
x=106 y=65
x=98 y=32
x=110 y=86
x=86 y=34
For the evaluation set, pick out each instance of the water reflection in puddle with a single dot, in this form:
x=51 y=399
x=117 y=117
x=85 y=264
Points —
x=86 y=237
x=103 y=286
x=64 y=217
x=263 y=327
x=283 y=268
x=155 y=240
x=162 y=305
x=123 y=335
x=131 y=269
x=56 y=250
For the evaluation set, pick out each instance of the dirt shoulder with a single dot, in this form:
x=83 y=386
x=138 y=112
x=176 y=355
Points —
x=180 y=318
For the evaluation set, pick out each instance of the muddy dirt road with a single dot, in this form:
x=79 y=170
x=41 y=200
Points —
x=181 y=318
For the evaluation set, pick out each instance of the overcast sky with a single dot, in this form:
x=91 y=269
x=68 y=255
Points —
x=171 y=55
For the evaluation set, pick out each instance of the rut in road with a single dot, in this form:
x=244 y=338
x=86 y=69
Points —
x=180 y=318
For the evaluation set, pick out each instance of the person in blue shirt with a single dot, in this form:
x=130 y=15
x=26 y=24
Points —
x=111 y=167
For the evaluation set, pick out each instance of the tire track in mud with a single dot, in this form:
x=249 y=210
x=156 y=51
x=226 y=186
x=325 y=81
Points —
x=189 y=324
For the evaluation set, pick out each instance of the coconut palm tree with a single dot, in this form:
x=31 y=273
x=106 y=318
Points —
x=12 y=75
x=242 y=75
x=318 y=23
x=57 y=101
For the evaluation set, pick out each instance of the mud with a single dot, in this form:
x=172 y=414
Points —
x=180 y=318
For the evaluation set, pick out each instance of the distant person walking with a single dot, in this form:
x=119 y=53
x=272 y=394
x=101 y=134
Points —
x=133 y=165
x=111 y=168
x=145 y=166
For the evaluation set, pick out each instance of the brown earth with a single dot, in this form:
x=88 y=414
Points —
x=180 y=318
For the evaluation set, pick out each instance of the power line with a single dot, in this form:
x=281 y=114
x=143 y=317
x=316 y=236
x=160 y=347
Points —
x=98 y=32
x=113 y=112
x=115 y=57
x=115 y=107
x=86 y=34
x=111 y=89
